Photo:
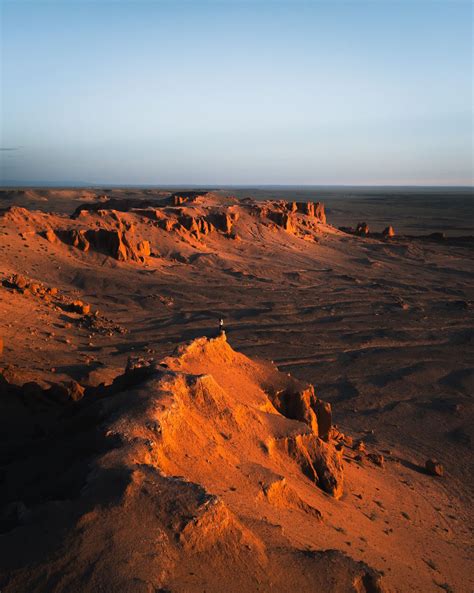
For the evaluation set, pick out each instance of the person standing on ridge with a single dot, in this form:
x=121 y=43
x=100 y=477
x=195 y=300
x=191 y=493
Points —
x=221 y=326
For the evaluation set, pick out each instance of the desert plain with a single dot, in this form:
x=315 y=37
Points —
x=320 y=442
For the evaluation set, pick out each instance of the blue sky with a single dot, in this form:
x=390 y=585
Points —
x=224 y=92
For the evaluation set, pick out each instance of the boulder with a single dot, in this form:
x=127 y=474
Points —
x=64 y=393
x=388 y=232
x=434 y=468
x=80 y=307
x=19 y=282
x=75 y=391
x=362 y=229
x=36 y=288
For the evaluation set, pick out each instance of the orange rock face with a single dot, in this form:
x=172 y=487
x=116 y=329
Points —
x=311 y=209
x=321 y=462
x=302 y=404
x=119 y=244
x=286 y=220
x=50 y=236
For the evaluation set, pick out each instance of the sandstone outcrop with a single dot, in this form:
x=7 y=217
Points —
x=302 y=404
x=114 y=458
x=126 y=204
x=178 y=198
x=287 y=215
x=224 y=221
x=311 y=209
x=117 y=204
x=120 y=244
x=321 y=462
x=113 y=226
x=196 y=225
x=50 y=236
x=286 y=220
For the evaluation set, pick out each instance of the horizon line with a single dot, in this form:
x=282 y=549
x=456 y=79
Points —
x=80 y=185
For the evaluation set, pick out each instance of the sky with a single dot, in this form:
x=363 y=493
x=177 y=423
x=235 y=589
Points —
x=236 y=93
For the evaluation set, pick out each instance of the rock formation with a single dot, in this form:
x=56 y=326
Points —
x=207 y=467
x=80 y=307
x=311 y=209
x=125 y=228
x=129 y=469
x=362 y=229
x=117 y=204
x=434 y=468
x=299 y=402
x=286 y=220
x=24 y=285
x=321 y=462
x=183 y=197
x=120 y=244
x=224 y=221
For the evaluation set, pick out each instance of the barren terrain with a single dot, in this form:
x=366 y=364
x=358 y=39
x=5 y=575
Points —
x=144 y=451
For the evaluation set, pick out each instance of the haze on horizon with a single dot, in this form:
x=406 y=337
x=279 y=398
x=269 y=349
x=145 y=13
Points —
x=228 y=92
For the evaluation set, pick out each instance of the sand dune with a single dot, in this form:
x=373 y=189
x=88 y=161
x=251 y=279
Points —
x=129 y=465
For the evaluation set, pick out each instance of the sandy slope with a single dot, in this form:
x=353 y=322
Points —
x=382 y=328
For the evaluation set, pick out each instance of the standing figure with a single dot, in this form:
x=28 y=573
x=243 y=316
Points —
x=221 y=326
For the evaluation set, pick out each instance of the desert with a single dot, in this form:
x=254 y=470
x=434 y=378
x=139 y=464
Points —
x=217 y=390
